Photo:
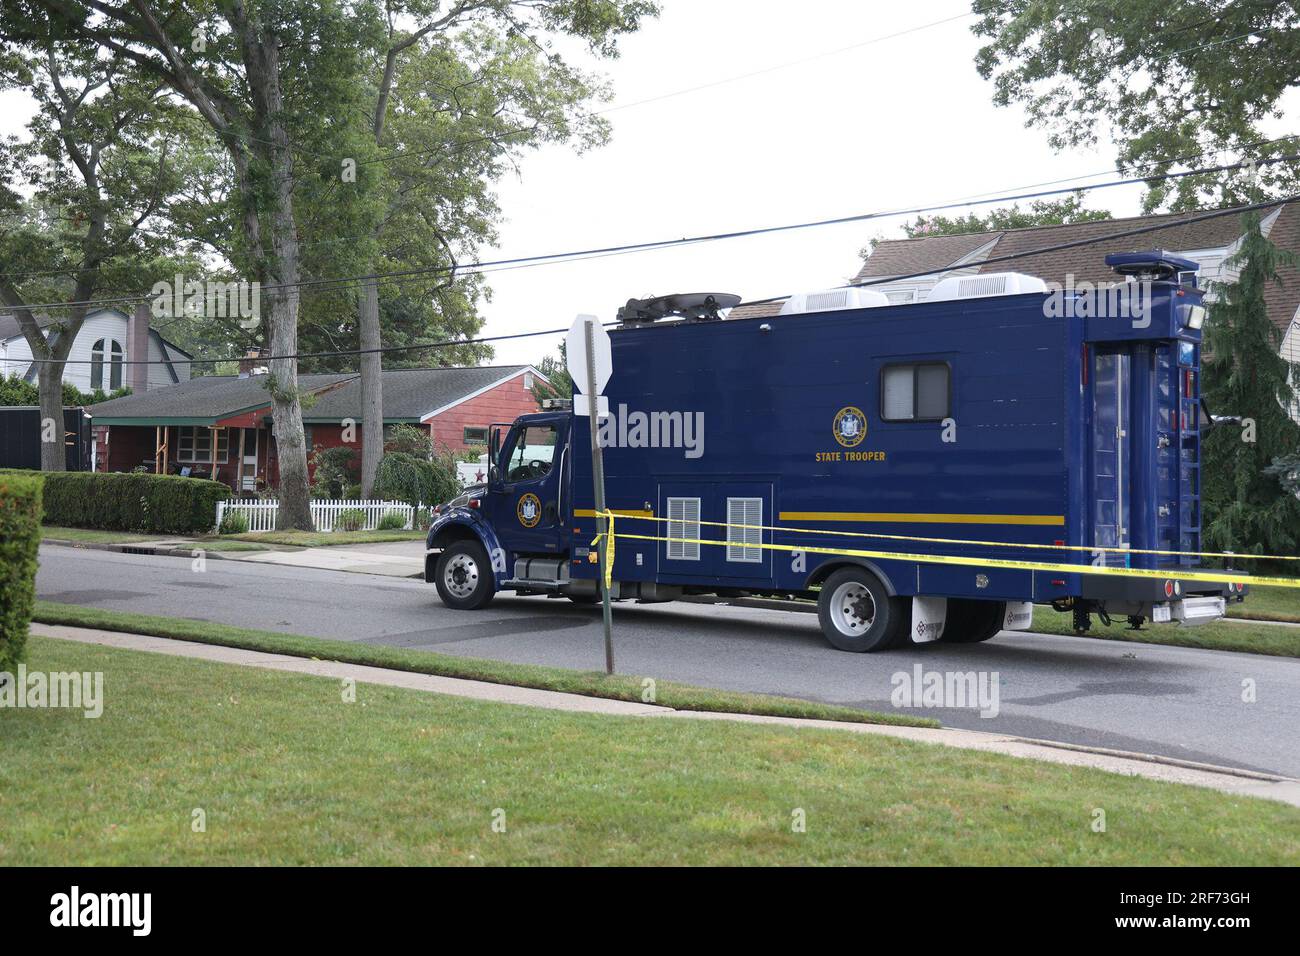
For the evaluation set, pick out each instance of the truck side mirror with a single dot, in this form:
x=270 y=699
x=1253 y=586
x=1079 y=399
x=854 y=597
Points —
x=494 y=452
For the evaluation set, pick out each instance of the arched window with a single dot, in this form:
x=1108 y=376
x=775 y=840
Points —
x=110 y=350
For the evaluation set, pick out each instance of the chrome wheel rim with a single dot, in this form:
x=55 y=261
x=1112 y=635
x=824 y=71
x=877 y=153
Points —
x=853 y=609
x=461 y=576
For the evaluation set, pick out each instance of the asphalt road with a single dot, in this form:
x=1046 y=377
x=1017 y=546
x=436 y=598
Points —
x=1171 y=701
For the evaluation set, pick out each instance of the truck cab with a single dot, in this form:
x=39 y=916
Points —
x=514 y=533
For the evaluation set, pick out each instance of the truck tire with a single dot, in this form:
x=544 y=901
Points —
x=970 y=622
x=857 y=614
x=464 y=576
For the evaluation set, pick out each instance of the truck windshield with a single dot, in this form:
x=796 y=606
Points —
x=532 y=453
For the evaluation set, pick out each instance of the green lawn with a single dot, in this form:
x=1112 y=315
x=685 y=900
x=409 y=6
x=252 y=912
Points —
x=589 y=683
x=286 y=772
x=1272 y=639
x=1269 y=604
x=252 y=541
x=89 y=536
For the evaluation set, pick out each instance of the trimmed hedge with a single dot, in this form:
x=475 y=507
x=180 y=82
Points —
x=20 y=537
x=162 y=504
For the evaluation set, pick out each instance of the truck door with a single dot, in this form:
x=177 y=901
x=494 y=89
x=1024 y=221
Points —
x=525 y=509
x=1110 y=453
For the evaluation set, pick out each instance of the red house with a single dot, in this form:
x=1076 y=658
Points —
x=220 y=426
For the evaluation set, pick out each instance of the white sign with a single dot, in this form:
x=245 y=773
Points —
x=575 y=354
x=581 y=407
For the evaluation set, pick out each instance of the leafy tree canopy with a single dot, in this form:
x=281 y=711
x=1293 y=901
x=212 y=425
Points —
x=1177 y=85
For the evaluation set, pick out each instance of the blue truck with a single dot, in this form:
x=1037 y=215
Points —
x=1001 y=420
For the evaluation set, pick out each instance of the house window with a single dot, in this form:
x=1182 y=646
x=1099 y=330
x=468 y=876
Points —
x=744 y=543
x=684 y=529
x=475 y=435
x=194 y=444
x=528 y=380
x=918 y=392
x=106 y=350
x=306 y=437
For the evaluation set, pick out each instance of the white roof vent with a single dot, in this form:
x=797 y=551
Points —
x=832 y=299
x=989 y=283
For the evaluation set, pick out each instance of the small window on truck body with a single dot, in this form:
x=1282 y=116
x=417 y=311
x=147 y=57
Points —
x=744 y=530
x=915 y=392
x=684 y=529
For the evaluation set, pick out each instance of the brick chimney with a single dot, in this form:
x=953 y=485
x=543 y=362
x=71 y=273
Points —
x=137 y=348
x=253 y=363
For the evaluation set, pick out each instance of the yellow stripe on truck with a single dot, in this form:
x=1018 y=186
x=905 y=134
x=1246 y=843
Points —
x=898 y=517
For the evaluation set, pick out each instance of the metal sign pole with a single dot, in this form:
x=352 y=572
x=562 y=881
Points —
x=598 y=483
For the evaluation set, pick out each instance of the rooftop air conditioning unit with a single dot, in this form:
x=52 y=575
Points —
x=986 y=284
x=833 y=299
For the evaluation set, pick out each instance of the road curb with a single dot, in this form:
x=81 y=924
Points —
x=1228 y=780
x=246 y=556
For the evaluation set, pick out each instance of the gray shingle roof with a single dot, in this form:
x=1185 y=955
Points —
x=408 y=395
x=896 y=257
x=1088 y=262
x=208 y=397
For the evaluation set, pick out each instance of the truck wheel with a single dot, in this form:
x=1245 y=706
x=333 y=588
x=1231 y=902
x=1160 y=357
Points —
x=857 y=614
x=464 y=576
x=970 y=622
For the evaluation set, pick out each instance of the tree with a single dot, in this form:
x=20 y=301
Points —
x=1041 y=212
x=264 y=77
x=556 y=370
x=1245 y=508
x=458 y=93
x=75 y=201
x=1176 y=83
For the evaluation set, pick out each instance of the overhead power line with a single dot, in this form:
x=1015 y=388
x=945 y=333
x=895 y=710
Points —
x=342 y=282
x=1135 y=172
x=1204 y=217
x=1057 y=247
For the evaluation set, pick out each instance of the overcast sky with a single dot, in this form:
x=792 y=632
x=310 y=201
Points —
x=901 y=122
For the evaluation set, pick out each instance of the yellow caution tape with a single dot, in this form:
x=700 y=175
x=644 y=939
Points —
x=608 y=535
x=1210 y=577
x=1225 y=555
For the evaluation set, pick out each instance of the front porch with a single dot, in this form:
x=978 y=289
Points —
x=240 y=455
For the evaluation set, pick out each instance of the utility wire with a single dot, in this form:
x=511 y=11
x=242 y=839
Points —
x=1075 y=244
x=342 y=282
x=972 y=199
x=1204 y=217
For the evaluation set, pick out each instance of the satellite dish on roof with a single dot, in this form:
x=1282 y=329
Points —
x=698 y=306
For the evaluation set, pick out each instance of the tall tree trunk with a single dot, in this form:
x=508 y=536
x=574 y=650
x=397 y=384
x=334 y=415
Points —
x=286 y=409
x=49 y=383
x=262 y=58
x=372 y=388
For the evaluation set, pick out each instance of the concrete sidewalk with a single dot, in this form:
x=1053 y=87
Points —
x=1226 y=780
x=399 y=559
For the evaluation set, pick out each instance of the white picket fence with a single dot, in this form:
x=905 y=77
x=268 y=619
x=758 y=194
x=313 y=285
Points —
x=261 y=513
